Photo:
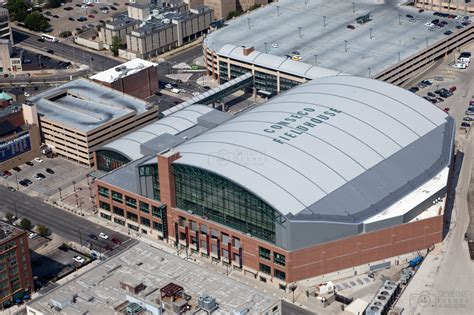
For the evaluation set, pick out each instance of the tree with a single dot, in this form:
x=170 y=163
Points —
x=25 y=223
x=65 y=34
x=42 y=230
x=233 y=14
x=36 y=22
x=17 y=9
x=10 y=217
x=116 y=45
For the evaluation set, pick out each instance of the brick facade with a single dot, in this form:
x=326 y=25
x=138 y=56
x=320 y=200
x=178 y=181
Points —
x=259 y=258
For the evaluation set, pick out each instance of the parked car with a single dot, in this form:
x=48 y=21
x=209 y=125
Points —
x=103 y=235
x=10 y=188
x=79 y=259
x=446 y=109
x=7 y=173
x=351 y=27
x=116 y=241
x=50 y=171
x=40 y=175
x=93 y=236
x=71 y=19
x=17 y=169
x=37 y=159
x=452 y=89
x=25 y=184
x=50 y=51
x=91 y=16
x=32 y=235
x=431 y=94
x=465 y=124
x=29 y=163
x=468 y=119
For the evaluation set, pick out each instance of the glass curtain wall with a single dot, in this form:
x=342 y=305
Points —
x=216 y=198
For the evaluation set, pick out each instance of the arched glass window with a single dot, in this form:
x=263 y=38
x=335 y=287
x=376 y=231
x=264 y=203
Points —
x=218 y=199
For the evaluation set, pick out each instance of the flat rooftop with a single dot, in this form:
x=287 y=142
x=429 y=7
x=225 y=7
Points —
x=86 y=105
x=335 y=46
x=98 y=291
x=124 y=70
x=8 y=232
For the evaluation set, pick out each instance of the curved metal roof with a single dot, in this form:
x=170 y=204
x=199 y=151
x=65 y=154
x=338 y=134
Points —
x=129 y=145
x=282 y=64
x=316 y=138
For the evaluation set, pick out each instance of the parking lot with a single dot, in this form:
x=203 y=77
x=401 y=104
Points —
x=446 y=76
x=51 y=260
x=67 y=20
x=65 y=173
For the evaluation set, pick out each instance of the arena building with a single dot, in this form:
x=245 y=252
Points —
x=337 y=172
x=385 y=40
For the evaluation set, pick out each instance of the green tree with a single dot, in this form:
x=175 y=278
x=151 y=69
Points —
x=42 y=230
x=36 y=22
x=25 y=223
x=10 y=217
x=65 y=34
x=233 y=14
x=17 y=9
x=116 y=45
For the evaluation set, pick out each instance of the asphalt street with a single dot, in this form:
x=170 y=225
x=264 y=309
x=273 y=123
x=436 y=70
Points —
x=60 y=222
x=96 y=61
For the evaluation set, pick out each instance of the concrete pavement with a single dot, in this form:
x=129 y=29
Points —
x=444 y=282
x=67 y=225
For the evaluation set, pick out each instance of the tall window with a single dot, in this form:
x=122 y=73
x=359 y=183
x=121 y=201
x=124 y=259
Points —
x=150 y=172
x=264 y=253
x=116 y=196
x=131 y=202
x=104 y=205
x=104 y=192
x=144 y=207
x=279 y=259
x=265 y=269
x=109 y=160
x=215 y=198
x=279 y=274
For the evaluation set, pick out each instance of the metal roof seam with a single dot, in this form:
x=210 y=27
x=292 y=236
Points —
x=251 y=170
x=329 y=124
x=267 y=155
x=377 y=92
x=295 y=147
x=365 y=104
x=311 y=135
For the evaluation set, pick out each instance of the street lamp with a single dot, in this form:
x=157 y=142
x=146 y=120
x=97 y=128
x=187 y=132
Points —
x=345 y=45
x=315 y=60
x=353 y=7
x=60 y=196
x=324 y=20
x=369 y=72
x=292 y=288
x=370 y=32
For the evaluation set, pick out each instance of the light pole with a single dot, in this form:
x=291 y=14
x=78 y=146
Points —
x=398 y=56
x=315 y=60
x=265 y=47
x=16 y=179
x=370 y=32
x=248 y=22
x=399 y=19
x=278 y=10
x=324 y=20
x=60 y=195
x=345 y=45
x=292 y=288
x=299 y=30
x=353 y=7
x=369 y=72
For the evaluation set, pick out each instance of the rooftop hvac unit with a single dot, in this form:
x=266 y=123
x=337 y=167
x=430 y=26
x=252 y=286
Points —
x=207 y=303
x=166 y=21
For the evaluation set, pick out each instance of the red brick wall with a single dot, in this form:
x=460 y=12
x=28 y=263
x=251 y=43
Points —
x=142 y=84
x=365 y=248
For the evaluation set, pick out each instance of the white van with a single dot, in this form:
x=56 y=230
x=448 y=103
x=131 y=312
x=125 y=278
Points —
x=175 y=90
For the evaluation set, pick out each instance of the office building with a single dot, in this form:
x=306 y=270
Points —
x=15 y=267
x=79 y=116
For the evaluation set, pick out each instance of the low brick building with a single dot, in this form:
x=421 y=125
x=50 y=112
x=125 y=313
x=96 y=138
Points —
x=138 y=78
